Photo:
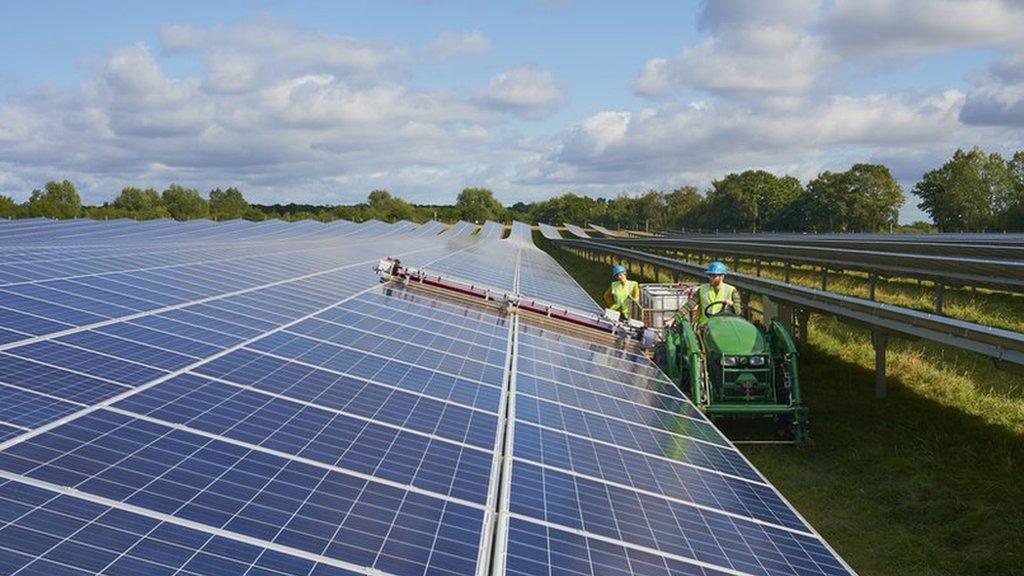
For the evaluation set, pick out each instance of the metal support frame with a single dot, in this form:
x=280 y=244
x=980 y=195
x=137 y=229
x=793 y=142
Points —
x=786 y=316
x=787 y=272
x=824 y=278
x=880 y=340
x=872 y=284
x=939 y=290
x=804 y=317
x=758 y=272
x=1003 y=346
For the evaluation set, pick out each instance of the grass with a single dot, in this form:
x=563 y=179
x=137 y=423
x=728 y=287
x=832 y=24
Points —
x=927 y=482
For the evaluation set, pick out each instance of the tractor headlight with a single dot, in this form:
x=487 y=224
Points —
x=730 y=360
x=757 y=360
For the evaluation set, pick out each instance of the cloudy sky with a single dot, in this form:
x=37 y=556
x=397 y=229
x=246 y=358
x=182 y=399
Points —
x=324 y=101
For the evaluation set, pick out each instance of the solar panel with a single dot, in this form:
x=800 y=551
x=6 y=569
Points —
x=575 y=230
x=247 y=399
x=604 y=231
x=549 y=232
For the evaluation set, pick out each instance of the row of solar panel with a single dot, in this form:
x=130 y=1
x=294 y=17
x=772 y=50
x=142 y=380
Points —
x=274 y=458
x=87 y=231
x=328 y=439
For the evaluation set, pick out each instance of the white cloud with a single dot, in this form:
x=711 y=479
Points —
x=998 y=98
x=625 y=147
x=907 y=28
x=451 y=44
x=753 y=51
x=723 y=14
x=526 y=91
x=273 y=111
x=747 y=60
x=290 y=113
x=245 y=57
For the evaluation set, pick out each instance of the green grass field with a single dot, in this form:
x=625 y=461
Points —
x=929 y=481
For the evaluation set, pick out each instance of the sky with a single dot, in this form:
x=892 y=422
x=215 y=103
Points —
x=322 y=102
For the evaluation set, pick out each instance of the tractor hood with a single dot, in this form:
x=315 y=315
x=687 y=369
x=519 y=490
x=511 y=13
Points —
x=733 y=335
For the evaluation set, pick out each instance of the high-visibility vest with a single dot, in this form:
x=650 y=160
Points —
x=621 y=295
x=707 y=296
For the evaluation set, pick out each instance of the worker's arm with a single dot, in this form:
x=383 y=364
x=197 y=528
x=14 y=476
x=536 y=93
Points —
x=608 y=300
x=635 y=294
x=737 y=303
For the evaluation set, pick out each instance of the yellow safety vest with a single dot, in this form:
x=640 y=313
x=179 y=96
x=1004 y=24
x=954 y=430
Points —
x=707 y=296
x=621 y=295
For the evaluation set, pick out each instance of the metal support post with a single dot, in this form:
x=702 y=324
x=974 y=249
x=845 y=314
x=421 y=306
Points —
x=745 y=303
x=804 y=316
x=787 y=272
x=786 y=317
x=939 y=289
x=872 y=283
x=880 y=340
x=824 y=278
x=736 y=264
x=759 y=267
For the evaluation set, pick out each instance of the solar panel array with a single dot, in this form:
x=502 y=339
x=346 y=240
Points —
x=249 y=400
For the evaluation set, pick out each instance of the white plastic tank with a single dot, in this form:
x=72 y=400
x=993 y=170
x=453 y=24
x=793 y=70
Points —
x=659 y=302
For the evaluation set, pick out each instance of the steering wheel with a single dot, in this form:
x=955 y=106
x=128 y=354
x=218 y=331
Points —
x=725 y=311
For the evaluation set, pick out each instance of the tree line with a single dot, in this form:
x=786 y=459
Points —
x=972 y=191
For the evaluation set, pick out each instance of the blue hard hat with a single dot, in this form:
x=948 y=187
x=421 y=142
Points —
x=716 y=268
x=618 y=269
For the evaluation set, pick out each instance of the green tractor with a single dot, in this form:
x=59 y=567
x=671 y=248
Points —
x=734 y=369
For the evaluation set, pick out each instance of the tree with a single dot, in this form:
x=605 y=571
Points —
x=55 y=200
x=140 y=204
x=823 y=204
x=383 y=206
x=478 y=205
x=8 y=207
x=1013 y=217
x=968 y=193
x=865 y=198
x=622 y=212
x=752 y=200
x=568 y=207
x=185 y=203
x=650 y=210
x=683 y=208
x=874 y=198
x=227 y=204
x=254 y=214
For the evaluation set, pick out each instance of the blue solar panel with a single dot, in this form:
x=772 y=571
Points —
x=319 y=510
x=47 y=533
x=55 y=382
x=656 y=523
x=7 y=431
x=279 y=412
x=87 y=362
x=443 y=464
x=30 y=409
x=538 y=549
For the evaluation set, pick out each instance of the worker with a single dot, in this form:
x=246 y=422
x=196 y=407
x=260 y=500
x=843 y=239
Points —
x=714 y=290
x=617 y=297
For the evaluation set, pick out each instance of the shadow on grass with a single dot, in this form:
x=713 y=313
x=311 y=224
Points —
x=903 y=485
